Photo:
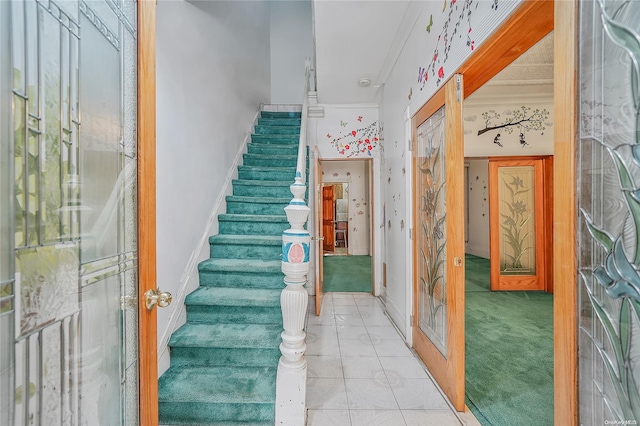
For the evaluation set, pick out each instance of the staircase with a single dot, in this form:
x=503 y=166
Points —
x=224 y=359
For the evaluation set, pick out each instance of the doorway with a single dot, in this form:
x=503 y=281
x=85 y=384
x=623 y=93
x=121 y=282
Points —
x=346 y=194
x=530 y=23
x=508 y=252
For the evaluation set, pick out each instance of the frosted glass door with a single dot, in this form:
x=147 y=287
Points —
x=608 y=190
x=438 y=167
x=517 y=223
x=68 y=269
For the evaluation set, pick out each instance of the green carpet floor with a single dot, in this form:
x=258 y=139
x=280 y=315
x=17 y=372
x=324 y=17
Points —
x=347 y=274
x=509 y=352
x=224 y=359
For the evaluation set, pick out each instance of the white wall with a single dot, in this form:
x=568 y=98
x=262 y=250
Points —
x=291 y=43
x=478 y=243
x=213 y=71
x=428 y=54
x=355 y=173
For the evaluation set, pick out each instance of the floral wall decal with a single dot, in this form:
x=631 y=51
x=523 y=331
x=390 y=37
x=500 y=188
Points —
x=349 y=132
x=359 y=141
x=459 y=13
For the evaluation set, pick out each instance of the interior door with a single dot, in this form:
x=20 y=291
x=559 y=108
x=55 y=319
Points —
x=517 y=222
x=438 y=167
x=319 y=200
x=328 y=218
x=74 y=251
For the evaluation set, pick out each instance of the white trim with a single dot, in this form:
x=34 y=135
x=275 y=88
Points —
x=409 y=224
x=189 y=280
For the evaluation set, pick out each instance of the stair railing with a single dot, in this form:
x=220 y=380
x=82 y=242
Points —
x=291 y=382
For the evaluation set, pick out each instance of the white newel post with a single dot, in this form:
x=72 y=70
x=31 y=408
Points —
x=291 y=382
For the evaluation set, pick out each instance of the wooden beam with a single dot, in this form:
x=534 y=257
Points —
x=523 y=29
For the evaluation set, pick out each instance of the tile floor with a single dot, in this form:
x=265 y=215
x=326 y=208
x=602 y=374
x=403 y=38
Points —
x=360 y=371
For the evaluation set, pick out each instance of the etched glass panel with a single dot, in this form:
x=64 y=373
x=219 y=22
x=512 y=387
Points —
x=51 y=53
x=517 y=220
x=101 y=339
x=6 y=220
x=99 y=143
x=130 y=11
x=431 y=234
x=609 y=222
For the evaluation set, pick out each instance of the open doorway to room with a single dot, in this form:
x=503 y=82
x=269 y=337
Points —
x=509 y=334
x=346 y=226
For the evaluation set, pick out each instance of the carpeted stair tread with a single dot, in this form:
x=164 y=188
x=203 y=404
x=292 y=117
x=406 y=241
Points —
x=261 y=129
x=224 y=296
x=245 y=182
x=258 y=200
x=244 y=265
x=228 y=336
x=274 y=157
x=279 y=121
x=267 y=149
x=275 y=139
x=252 y=218
x=281 y=114
x=268 y=240
x=218 y=384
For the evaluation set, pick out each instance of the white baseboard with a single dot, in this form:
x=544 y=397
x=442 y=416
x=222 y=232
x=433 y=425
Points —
x=396 y=316
x=190 y=278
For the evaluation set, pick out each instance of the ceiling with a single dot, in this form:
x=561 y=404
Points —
x=355 y=39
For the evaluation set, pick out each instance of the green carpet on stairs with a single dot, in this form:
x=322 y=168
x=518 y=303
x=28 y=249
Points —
x=224 y=359
x=347 y=274
x=509 y=352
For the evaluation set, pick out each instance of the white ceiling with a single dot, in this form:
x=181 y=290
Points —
x=354 y=39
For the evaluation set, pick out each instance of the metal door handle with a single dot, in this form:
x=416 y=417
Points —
x=157 y=297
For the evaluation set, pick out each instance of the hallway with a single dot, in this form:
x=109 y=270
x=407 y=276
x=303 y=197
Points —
x=360 y=372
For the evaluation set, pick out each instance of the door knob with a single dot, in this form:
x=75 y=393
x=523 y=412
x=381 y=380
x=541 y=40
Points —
x=157 y=297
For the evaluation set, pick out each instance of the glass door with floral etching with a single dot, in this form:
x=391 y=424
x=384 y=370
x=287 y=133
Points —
x=68 y=266
x=438 y=165
x=608 y=246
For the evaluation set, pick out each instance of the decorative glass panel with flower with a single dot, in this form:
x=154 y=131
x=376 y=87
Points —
x=431 y=233
x=609 y=201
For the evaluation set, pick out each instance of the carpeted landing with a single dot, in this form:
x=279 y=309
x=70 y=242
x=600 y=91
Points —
x=509 y=352
x=224 y=359
x=347 y=274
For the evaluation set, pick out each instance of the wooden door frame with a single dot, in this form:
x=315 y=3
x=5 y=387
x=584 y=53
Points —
x=147 y=319
x=532 y=20
x=319 y=237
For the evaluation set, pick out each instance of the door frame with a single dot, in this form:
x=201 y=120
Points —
x=147 y=319
x=530 y=22
x=371 y=189
x=319 y=232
